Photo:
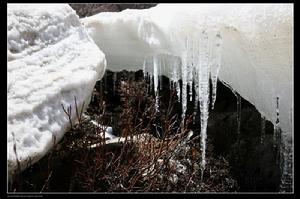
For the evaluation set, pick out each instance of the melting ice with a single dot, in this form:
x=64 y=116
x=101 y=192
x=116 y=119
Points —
x=247 y=46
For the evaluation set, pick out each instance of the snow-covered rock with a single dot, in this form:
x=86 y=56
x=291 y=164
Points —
x=51 y=60
x=253 y=44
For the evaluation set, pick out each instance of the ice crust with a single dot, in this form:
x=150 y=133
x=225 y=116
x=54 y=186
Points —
x=250 y=48
x=51 y=58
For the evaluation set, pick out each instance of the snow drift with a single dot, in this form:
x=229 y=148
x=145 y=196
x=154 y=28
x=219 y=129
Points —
x=51 y=60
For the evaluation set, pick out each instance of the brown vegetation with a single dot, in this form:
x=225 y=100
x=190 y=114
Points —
x=156 y=153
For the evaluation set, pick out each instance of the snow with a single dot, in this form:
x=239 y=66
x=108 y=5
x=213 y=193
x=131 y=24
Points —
x=51 y=59
x=247 y=46
x=108 y=133
x=255 y=43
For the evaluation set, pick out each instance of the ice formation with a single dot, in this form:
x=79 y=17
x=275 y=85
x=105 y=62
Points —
x=108 y=131
x=51 y=60
x=247 y=46
x=238 y=111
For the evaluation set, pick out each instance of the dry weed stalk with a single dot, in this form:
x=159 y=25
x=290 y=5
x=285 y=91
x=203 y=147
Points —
x=141 y=164
x=147 y=158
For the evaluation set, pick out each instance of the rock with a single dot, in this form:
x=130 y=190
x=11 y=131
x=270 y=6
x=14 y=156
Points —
x=85 y=10
x=51 y=60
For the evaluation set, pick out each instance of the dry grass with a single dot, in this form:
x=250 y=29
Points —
x=156 y=153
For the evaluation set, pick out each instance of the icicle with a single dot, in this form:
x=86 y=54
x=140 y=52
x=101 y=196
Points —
x=195 y=111
x=286 y=166
x=276 y=126
x=263 y=129
x=196 y=86
x=215 y=67
x=161 y=62
x=286 y=159
x=174 y=77
x=238 y=104
x=196 y=101
x=190 y=66
x=114 y=82
x=155 y=75
x=203 y=75
x=151 y=75
x=172 y=83
x=274 y=136
x=175 y=73
x=144 y=69
x=184 y=81
x=177 y=85
x=191 y=86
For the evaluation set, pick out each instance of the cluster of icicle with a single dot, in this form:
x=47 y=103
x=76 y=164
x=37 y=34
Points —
x=199 y=63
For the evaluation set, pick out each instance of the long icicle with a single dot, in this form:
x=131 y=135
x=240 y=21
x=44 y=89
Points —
x=196 y=95
x=196 y=79
x=177 y=84
x=276 y=126
x=160 y=68
x=190 y=67
x=155 y=74
x=215 y=67
x=286 y=166
x=184 y=81
x=204 y=95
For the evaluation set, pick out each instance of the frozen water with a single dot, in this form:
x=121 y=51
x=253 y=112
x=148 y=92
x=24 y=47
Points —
x=215 y=65
x=51 y=59
x=107 y=129
x=276 y=132
x=286 y=164
x=155 y=74
x=238 y=112
x=251 y=46
x=247 y=46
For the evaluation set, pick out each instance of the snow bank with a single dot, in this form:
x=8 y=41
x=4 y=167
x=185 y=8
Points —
x=51 y=59
x=253 y=44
